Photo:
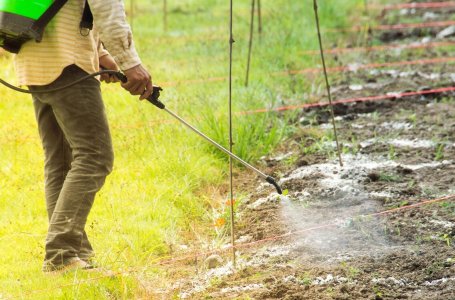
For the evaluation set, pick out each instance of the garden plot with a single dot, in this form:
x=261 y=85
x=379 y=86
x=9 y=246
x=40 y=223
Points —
x=381 y=226
x=327 y=240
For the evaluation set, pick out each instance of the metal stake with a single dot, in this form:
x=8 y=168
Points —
x=327 y=80
x=231 y=188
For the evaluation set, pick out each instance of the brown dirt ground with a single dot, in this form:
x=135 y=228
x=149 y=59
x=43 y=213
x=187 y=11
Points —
x=397 y=152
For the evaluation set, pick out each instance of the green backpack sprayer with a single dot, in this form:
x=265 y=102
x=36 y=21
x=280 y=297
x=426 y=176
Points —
x=25 y=20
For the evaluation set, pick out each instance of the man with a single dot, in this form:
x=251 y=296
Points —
x=72 y=122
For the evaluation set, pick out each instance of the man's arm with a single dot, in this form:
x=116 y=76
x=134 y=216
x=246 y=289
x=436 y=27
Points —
x=110 y=20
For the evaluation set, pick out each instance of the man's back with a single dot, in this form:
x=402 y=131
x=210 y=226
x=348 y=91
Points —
x=62 y=45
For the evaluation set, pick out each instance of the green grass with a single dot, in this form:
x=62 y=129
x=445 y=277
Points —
x=165 y=179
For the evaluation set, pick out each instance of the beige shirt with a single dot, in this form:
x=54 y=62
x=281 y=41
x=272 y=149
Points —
x=64 y=45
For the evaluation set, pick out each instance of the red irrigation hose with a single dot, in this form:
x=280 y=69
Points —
x=369 y=66
x=351 y=100
x=381 y=48
x=321 y=104
x=446 y=4
x=394 y=26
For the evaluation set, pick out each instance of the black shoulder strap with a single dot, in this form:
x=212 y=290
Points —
x=87 y=18
x=41 y=23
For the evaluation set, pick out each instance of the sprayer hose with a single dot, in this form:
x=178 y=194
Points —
x=111 y=72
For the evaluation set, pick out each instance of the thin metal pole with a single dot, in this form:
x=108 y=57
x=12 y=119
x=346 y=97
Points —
x=327 y=80
x=259 y=18
x=250 y=44
x=231 y=43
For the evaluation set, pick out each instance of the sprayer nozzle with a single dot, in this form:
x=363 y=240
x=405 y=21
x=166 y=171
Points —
x=273 y=182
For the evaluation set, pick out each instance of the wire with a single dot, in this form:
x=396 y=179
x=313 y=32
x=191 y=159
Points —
x=119 y=74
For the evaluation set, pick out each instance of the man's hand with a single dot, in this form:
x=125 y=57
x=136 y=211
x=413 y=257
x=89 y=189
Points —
x=139 y=82
x=107 y=62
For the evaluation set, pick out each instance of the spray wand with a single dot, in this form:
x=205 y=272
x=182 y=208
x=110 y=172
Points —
x=154 y=99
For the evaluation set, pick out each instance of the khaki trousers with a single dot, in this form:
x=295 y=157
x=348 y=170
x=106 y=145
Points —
x=78 y=156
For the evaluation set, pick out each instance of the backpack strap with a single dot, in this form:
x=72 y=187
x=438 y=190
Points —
x=86 y=23
x=45 y=18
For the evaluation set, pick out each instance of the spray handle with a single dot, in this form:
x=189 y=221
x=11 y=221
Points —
x=153 y=98
x=121 y=76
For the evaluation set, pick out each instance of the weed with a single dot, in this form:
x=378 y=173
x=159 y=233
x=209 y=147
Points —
x=291 y=160
x=353 y=273
x=434 y=268
x=429 y=191
x=392 y=154
x=447 y=239
x=350 y=271
x=216 y=281
x=448 y=207
x=446 y=100
x=353 y=147
x=305 y=278
x=375 y=116
x=412 y=118
x=387 y=177
x=411 y=184
x=377 y=292
x=439 y=152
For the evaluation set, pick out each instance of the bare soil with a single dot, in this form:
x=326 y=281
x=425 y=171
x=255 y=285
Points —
x=326 y=240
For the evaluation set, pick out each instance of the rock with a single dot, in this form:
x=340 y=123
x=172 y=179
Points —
x=427 y=16
x=304 y=121
x=448 y=32
x=373 y=176
x=356 y=87
x=213 y=261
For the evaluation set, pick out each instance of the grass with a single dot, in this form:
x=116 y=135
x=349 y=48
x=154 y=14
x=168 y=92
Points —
x=165 y=179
